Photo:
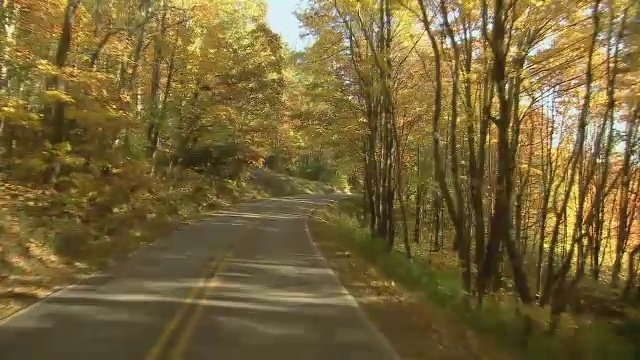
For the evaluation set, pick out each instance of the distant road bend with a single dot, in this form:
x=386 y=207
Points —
x=244 y=284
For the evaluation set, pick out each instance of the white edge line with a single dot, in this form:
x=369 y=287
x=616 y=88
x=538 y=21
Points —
x=381 y=337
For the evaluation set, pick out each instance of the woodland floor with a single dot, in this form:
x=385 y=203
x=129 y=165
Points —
x=36 y=271
x=416 y=329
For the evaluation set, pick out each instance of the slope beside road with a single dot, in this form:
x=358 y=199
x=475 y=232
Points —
x=246 y=283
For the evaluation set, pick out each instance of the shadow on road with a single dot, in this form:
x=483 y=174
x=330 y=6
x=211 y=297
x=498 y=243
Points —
x=274 y=295
x=104 y=323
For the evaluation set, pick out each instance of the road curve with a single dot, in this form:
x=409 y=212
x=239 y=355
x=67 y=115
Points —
x=247 y=283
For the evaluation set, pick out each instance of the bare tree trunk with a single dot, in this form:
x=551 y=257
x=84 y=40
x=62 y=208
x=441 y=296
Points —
x=556 y=287
x=455 y=213
x=625 y=187
x=520 y=200
x=405 y=222
x=594 y=217
x=417 y=230
x=631 y=272
x=55 y=116
x=8 y=16
x=153 y=129
x=462 y=240
x=58 y=134
x=436 y=220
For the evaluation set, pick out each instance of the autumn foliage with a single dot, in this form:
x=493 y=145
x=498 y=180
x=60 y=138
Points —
x=501 y=132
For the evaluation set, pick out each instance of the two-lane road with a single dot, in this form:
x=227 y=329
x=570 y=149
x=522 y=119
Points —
x=247 y=283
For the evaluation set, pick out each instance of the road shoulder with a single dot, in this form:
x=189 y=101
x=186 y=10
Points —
x=415 y=329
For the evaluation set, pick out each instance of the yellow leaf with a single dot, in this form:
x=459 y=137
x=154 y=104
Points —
x=55 y=95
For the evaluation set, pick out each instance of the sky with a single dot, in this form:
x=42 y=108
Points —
x=281 y=19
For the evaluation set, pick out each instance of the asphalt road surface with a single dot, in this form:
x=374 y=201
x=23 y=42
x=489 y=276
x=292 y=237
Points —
x=246 y=283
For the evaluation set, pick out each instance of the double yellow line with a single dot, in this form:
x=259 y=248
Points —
x=194 y=298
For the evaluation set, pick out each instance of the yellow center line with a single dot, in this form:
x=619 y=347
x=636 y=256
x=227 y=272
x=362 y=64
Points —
x=194 y=294
x=186 y=335
x=197 y=294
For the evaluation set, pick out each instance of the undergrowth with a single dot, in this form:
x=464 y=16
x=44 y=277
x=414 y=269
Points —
x=46 y=233
x=578 y=338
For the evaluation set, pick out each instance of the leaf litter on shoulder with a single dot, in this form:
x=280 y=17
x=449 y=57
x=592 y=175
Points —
x=415 y=328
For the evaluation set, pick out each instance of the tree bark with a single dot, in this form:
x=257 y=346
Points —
x=417 y=230
x=58 y=134
x=625 y=187
x=454 y=213
x=153 y=128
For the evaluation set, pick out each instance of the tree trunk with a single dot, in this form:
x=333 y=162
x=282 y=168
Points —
x=417 y=230
x=405 y=224
x=557 y=279
x=456 y=214
x=625 y=187
x=632 y=272
x=153 y=129
x=58 y=133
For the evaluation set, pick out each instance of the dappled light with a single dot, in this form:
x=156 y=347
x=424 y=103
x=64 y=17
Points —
x=270 y=290
x=471 y=169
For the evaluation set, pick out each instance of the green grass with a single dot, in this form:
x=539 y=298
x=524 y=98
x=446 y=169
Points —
x=577 y=339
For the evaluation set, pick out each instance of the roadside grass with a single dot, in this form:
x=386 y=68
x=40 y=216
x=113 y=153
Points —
x=417 y=329
x=580 y=337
